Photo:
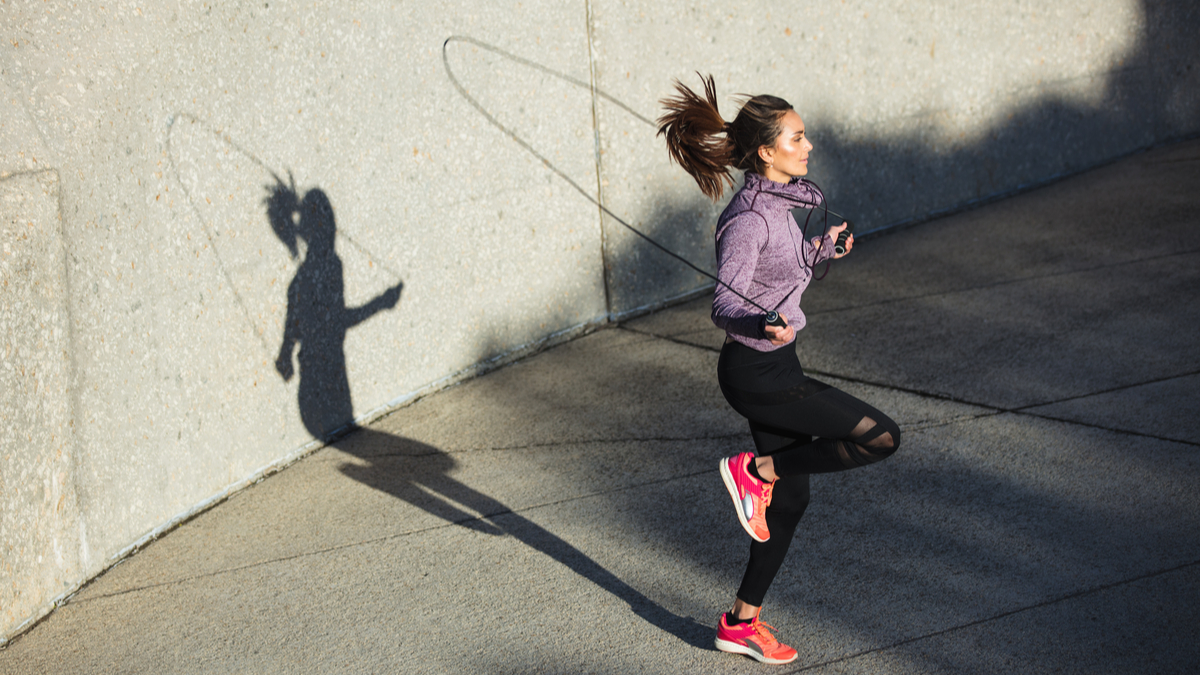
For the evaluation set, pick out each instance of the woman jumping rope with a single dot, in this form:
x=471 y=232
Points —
x=800 y=426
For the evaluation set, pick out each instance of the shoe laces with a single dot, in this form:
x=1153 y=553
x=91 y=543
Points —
x=767 y=489
x=763 y=629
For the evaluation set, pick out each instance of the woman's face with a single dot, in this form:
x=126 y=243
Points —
x=788 y=158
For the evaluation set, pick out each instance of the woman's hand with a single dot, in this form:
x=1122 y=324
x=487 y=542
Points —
x=833 y=234
x=835 y=231
x=780 y=335
x=283 y=365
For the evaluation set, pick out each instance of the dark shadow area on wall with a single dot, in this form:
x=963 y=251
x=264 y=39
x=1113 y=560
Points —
x=1151 y=96
x=883 y=182
x=317 y=322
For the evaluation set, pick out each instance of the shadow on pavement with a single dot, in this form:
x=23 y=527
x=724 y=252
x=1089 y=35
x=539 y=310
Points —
x=433 y=490
x=317 y=321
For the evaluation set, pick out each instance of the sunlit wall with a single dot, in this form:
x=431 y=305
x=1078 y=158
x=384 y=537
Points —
x=229 y=229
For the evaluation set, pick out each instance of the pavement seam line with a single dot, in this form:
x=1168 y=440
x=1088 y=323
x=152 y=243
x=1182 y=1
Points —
x=667 y=338
x=996 y=410
x=1123 y=387
x=970 y=624
x=1115 y=430
x=941 y=397
x=1023 y=410
x=881 y=385
x=908 y=390
x=931 y=424
x=376 y=540
x=548 y=444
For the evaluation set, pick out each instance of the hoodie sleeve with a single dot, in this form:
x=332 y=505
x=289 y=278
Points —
x=822 y=254
x=739 y=244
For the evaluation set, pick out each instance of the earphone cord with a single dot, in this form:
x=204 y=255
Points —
x=825 y=213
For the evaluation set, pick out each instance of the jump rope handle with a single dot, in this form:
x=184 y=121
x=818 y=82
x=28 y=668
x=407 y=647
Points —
x=773 y=319
x=839 y=247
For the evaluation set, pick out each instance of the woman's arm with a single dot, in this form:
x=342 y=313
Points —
x=385 y=300
x=291 y=325
x=739 y=244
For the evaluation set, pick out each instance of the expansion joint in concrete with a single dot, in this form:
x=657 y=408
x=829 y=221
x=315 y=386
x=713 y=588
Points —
x=400 y=535
x=1115 y=430
x=597 y=154
x=992 y=409
x=668 y=338
x=1024 y=410
x=1123 y=387
x=573 y=442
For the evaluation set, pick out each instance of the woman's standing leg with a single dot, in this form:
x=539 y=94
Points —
x=739 y=630
x=766 y=557
x=791 y=496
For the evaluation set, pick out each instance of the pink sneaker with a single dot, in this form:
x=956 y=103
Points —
x=751 y=496
x=753 y=639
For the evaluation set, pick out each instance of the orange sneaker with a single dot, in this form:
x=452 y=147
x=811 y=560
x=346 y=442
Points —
x=753 y=639
x=751 y=496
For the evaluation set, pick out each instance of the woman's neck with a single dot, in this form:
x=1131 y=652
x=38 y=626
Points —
x=773 y=174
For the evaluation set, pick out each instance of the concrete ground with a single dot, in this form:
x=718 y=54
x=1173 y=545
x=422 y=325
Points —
x=565 y=515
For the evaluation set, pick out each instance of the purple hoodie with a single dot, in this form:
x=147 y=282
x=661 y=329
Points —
x=762 y=254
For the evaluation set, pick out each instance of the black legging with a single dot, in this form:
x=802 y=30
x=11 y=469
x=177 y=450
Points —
x=807 y=427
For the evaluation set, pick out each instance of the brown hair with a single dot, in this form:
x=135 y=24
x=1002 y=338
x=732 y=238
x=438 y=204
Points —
x=700 y=140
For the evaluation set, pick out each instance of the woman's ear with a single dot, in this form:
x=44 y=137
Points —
x=767 y=154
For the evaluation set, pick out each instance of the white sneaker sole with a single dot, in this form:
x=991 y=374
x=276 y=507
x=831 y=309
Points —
x=735 y=648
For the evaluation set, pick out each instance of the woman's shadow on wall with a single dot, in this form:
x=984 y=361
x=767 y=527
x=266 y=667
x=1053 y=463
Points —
x=317 y=315
x=318 y=320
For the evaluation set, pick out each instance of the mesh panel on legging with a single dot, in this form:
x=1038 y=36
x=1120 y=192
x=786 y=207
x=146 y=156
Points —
x=849 y=433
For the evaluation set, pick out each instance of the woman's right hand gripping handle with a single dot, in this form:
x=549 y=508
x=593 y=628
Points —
x=777 y=330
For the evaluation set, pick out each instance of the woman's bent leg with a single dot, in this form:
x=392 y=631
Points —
x=848 y=432
x=831 y=430
x=783 y=516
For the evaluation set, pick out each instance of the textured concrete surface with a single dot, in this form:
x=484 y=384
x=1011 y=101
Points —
x=39 y=556
x=564 y=513
x=276 y=218
x=171 y=126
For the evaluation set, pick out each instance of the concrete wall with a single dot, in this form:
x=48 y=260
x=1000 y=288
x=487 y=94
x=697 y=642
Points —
x=414 y=190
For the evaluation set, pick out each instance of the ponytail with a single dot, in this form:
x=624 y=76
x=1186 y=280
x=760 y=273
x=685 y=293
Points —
x=706 y=146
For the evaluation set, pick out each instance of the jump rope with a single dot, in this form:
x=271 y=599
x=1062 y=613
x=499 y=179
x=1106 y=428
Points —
x=772 y=317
